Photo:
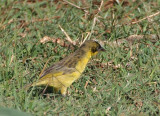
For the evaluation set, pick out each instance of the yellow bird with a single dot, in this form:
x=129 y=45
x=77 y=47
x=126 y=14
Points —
x=63 y=73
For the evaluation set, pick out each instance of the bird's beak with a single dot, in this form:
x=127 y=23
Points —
x=102 y=49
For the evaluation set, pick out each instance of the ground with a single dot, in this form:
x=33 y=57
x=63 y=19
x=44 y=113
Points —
x=124 y=80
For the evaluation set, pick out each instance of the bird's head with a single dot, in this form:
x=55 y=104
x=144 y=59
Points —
x=92 y=46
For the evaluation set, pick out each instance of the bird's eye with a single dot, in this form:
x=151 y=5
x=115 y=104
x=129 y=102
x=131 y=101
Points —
x=94 y=49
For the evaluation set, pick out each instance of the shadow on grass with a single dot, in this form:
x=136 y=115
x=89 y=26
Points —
x=45 y=92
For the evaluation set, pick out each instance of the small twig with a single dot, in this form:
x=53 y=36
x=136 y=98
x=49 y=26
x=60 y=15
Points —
x=74 y=5
x=88 y=33
x=86 y=84
x=12 y=58
x=44 y=67
x=95 y=19
x=45 y=89
x=68 y=38
x=100 y=7
x=93 y=25
x=155 y=14
x=83 y=9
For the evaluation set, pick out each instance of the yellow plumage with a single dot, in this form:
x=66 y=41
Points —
x=63 y=73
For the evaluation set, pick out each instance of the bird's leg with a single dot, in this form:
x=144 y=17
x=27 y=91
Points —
x=56 y=90
x=63 y=90
x=44 y=89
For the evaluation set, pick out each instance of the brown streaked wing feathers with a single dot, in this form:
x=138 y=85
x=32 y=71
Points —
x=68 y=63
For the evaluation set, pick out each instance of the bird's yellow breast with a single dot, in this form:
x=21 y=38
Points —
x=83 y=62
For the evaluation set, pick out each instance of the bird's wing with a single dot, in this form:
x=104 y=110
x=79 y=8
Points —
x=67 y=63
x=64 y=76
x=58 y=68
x=59 y=72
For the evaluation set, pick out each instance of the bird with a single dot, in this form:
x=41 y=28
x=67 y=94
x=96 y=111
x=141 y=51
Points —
x=62 y=74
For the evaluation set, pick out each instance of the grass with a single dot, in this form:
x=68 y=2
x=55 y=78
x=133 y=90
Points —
x=124 y=80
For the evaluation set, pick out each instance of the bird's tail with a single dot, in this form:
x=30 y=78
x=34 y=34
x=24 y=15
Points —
x=34 y=84
x=42 y=82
